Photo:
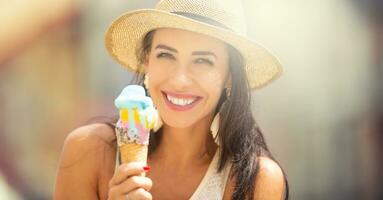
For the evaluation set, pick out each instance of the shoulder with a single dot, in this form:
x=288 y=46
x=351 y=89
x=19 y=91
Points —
x=269 y=183
x=91 y=133
x=86 y=143
x=86 y=151
x=86 y=139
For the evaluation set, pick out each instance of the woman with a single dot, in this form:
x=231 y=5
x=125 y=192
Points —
x=198 y=69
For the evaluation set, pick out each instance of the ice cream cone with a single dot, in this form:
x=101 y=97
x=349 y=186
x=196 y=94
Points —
x=133 y=152
x=137 y=118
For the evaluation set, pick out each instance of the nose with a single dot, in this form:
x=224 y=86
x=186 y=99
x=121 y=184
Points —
x=181 y=78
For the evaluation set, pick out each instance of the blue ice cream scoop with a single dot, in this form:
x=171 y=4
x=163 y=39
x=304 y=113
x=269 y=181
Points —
x=133 y=96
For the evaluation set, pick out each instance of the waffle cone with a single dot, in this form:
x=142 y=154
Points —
x=134 y=152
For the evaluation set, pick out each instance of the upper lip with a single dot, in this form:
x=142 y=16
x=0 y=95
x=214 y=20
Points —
x=181 y=95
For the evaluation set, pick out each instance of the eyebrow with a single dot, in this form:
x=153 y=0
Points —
x=162 y=46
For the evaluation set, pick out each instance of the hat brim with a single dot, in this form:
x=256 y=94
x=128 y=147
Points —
x=128 y=30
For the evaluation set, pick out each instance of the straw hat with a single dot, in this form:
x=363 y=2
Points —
x=222 y=19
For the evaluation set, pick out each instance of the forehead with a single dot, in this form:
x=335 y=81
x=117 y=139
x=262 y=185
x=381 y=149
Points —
x=187 y=40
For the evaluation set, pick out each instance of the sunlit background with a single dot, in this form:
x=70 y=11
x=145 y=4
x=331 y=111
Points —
x=322 y=119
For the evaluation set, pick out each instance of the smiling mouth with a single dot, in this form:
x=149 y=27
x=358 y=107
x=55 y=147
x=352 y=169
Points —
x=180 y=101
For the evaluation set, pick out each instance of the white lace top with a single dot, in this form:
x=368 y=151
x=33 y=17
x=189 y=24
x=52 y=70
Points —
x=213 y=184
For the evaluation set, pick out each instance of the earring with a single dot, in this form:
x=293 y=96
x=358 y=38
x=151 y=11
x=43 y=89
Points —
x=228 y=92
x=158 y=121
x=146 y=81
x=214 y=128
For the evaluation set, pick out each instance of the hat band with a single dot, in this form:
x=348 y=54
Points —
x=202 y=19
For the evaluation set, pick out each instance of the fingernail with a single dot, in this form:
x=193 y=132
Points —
x=146 y=168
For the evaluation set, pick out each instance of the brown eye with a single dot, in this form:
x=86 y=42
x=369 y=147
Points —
x=163 y=54
x=204 y=60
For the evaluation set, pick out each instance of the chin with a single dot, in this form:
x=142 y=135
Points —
x=178 y=123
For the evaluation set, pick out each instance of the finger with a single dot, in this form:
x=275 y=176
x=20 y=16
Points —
x=129 y=185
x=140 y=194
x=135 y=182
x=114 y=193
x=125 y=170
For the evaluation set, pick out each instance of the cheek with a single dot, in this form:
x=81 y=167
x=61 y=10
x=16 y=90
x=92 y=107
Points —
x=156 y=78
x=212 y=84
x=214 y=80
x=155 y=72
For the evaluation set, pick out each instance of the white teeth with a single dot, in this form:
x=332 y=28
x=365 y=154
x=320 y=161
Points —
x=179 y=101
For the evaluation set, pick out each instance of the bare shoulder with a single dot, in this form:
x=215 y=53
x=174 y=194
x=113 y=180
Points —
x=86 y=141
x=269 y=184
x=86 y=150
x=92 y=132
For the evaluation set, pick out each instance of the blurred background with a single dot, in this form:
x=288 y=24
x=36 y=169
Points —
x=323 y=119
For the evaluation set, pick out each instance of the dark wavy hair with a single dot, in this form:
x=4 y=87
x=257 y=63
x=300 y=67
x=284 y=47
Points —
x=241 y=140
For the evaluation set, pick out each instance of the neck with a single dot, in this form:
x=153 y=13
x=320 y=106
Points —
x=186 y=146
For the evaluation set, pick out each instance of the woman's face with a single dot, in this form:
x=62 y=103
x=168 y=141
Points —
x=187 y=73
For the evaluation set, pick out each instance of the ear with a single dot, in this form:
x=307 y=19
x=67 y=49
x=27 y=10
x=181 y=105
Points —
x=145 y=67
